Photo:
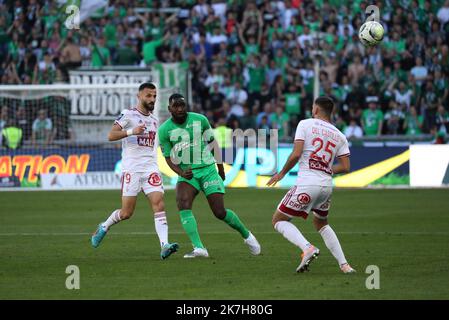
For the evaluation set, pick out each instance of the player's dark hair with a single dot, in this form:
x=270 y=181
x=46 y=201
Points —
x=147 y=85
x=326 y=104
x=176 y=98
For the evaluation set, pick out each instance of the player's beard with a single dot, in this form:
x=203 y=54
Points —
x=149 y=107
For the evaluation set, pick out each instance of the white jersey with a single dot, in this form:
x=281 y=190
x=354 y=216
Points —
x=139 y=152
x=322 y=143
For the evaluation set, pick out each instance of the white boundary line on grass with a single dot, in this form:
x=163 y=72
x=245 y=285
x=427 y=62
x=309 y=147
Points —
x=50 y=234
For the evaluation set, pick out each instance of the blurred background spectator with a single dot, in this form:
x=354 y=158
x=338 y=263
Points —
x=11 y=135
x=353 y=130
x=42 y=128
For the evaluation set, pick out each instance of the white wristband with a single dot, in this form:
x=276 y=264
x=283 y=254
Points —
x=129 y=132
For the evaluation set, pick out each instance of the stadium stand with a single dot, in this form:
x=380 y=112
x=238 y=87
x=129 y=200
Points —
x=251 y=62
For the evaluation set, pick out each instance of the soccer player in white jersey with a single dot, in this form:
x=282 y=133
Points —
x=137 y=128
x=317 y=144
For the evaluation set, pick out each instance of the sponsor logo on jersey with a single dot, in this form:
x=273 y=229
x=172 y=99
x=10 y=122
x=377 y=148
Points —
x=146 y=140
x=297 y=206
x=184 y=145
x=208 y=184
x=304 y=198
x=155 y=179
x=315 y=164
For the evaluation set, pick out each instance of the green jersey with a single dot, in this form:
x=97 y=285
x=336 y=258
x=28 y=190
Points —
x=414 y=124
x=293 y=103
x=187 y=143
x=371 y=120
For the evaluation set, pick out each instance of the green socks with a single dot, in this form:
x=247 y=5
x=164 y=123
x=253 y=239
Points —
x=232 y=219
x=190 y=227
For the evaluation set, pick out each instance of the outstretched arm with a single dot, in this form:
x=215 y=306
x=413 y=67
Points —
x=291 y=161
x=240 y=33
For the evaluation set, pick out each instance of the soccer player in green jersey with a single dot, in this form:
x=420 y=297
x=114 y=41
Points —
x=186 y=140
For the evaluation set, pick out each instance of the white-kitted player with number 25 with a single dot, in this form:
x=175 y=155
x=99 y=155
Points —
x=137 y=128
x=317 y=143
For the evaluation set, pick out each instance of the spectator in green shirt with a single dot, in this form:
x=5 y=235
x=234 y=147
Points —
x=150 y=47
x=372 y=119
x=293 y=100
x=155 y=28
x=128 y=54
x=441 y=86
x=413 y=122
x=256 y=75
x=442 y=120
x=397 y=43
x=280 y=120
x=247 y=121
x=398 y=72
x=100 y=54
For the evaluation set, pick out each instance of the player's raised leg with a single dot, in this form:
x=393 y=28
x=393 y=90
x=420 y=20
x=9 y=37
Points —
x=216 y=203
x=156 y=200
x=185 y=194
x=281 y=223
x=331 y=241
x=128 y=206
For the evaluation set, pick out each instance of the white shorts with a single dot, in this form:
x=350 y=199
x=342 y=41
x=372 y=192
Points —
x=134 y=182
x=300 y=200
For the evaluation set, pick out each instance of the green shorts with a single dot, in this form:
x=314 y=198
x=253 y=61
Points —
x=206 y=179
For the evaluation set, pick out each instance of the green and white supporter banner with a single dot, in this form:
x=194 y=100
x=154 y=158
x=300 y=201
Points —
x=84 y=8
x=172 y=75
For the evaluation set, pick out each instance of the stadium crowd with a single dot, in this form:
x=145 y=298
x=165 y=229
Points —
x=252 y=62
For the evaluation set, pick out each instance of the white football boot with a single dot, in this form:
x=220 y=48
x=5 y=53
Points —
x=346 y=268
x=307 y=257
x=253 y=244
x=197 y=252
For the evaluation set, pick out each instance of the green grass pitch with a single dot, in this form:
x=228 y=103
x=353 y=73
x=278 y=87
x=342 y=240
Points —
x=403 y=232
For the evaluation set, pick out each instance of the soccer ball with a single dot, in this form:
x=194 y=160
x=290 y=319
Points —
x=371 y=33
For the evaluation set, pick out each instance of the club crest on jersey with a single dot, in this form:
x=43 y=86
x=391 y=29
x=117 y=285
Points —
x=155 y=179
x=304 y=198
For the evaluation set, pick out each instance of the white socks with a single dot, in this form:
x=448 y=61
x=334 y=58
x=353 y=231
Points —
x=113 y=219
x=332 y=243
x=292 y=234
x=161 y=226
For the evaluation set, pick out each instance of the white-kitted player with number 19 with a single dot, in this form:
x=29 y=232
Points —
x=137 y=128
x=317 y=143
